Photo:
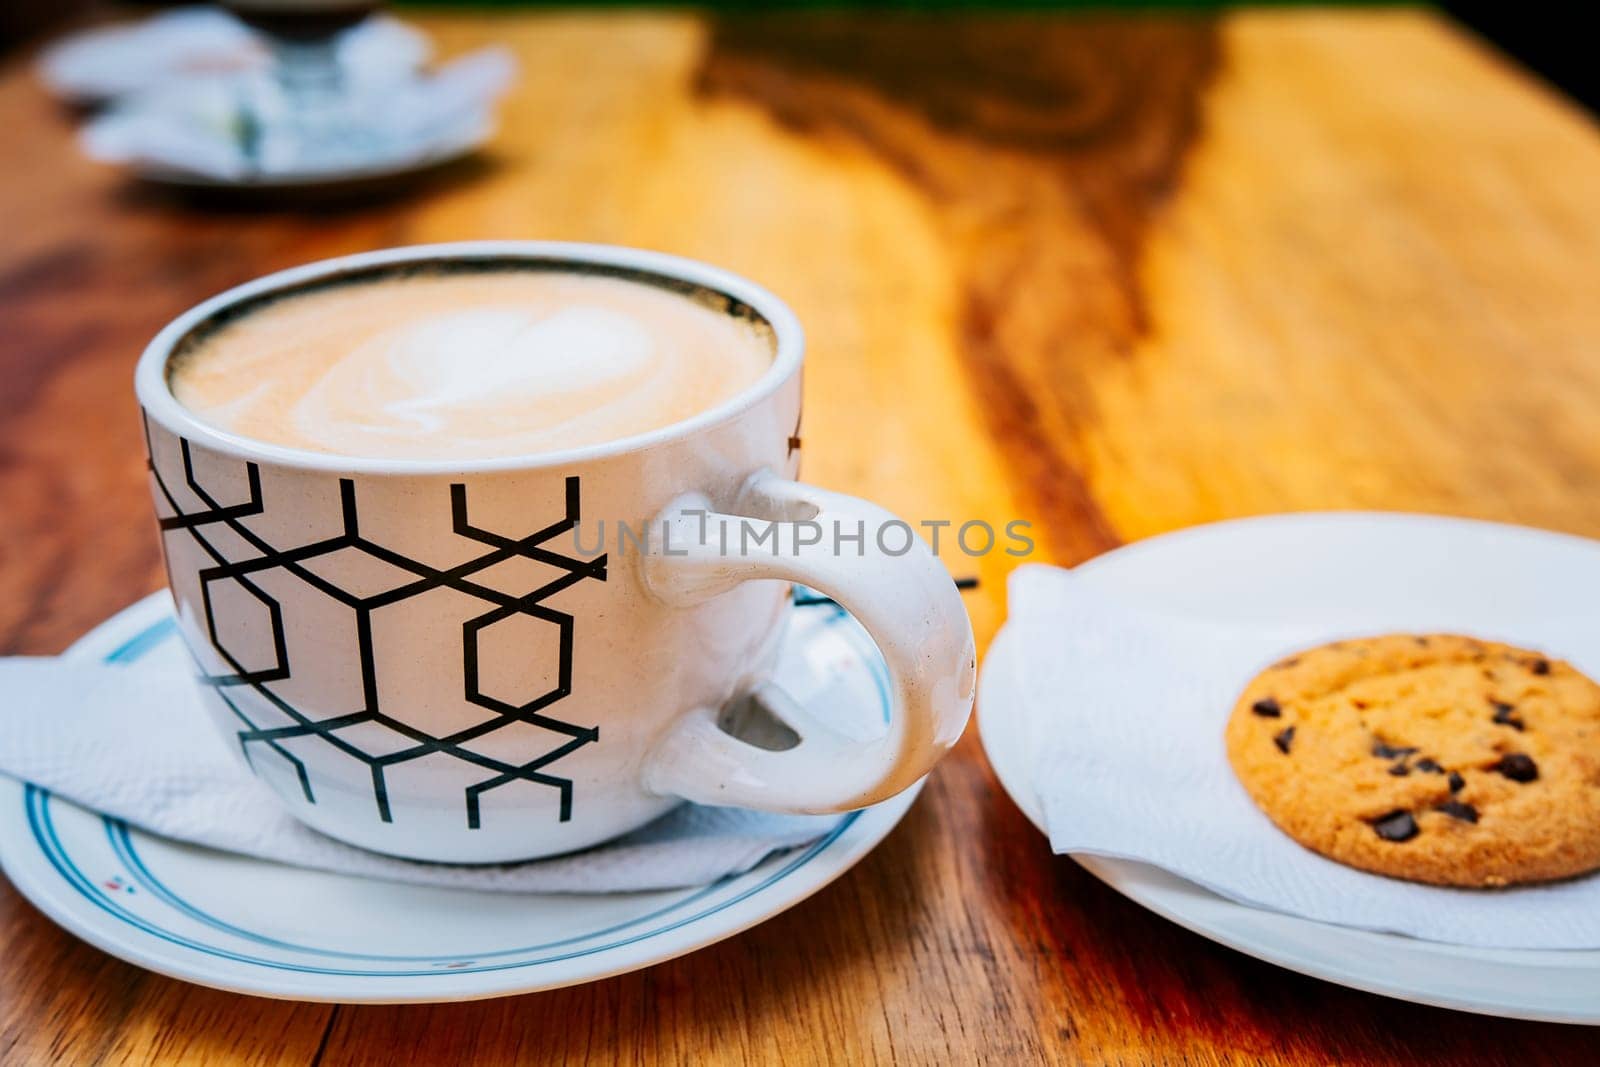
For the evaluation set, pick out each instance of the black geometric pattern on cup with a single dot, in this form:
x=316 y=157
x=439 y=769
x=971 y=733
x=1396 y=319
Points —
x=498 y=548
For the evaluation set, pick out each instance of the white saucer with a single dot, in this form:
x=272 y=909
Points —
x=374 y=176
x=1301 y=568
x=255 y=927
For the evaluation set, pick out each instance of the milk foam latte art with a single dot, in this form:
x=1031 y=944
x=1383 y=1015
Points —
x=463 y=365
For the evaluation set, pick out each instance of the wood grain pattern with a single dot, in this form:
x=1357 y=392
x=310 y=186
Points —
x=1046 y=146
x=1114 y=277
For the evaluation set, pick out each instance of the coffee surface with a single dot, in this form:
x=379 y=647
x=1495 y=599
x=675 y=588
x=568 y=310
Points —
x=468 y=365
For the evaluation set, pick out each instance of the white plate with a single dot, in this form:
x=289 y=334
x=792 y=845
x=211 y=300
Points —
x=255 y=927
x=444 y=150
x=187 y=135
x=1301 y=569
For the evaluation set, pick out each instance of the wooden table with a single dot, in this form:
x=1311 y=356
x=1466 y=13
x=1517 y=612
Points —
x=1112 y=277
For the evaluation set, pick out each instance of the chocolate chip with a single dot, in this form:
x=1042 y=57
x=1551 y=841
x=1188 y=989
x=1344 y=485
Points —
x=1518 y=767
x=1385 y=751
x=1457 y=810
x=1540 y=666
x=1503 y=716
x=1399 y=770
x=1267 y=708
x=1283 y=739
x=1395 y=826
x=1456 y=782
x=1426 y=764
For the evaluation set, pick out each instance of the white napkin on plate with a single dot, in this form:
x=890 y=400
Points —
x=134 y=742
x=1125 y=712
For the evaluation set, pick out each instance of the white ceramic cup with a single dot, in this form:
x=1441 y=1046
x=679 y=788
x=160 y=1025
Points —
x=435 y=659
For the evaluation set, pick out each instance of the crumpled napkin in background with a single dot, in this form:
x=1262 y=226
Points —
x=209 y=128
x=105 y=62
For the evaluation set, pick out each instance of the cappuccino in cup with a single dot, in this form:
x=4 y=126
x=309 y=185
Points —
x=469 y=363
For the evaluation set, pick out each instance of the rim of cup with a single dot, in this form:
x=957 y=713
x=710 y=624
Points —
x=155 y=394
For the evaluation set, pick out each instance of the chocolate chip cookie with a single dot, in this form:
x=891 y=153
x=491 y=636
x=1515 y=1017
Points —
x=1434 y=757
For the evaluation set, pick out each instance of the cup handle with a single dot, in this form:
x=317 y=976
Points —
x=906 y=601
